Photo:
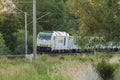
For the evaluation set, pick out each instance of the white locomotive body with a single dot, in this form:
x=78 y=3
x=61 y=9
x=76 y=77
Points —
x=53 y=41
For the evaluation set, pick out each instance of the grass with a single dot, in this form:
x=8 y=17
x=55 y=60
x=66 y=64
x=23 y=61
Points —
x=54 y=68
x=117 y=74
x=76 y=70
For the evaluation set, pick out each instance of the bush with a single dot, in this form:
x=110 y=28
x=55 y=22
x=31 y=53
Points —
x=106 y=70
x=117 y=74
x=44 y=57
x=3 y=49
x=20 y=45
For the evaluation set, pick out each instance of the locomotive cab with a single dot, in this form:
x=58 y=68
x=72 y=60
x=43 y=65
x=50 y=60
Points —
x=44 y=41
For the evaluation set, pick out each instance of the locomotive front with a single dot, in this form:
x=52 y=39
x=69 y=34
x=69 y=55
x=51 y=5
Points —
x=44 y=41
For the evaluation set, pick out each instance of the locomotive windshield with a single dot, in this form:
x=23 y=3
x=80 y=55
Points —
x=45 y=36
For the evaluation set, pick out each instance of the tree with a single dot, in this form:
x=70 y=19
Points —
x=20 y=42
x=3 y=49
x=57 y=18
x=99 y=18
x=8 y=26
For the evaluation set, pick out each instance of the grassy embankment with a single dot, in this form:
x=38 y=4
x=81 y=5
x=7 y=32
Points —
x=60 y=68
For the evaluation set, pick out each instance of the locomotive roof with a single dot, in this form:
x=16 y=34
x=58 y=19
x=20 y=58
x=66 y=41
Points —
x=57 y=33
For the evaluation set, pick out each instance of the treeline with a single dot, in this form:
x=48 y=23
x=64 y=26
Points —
x=77 y=17
x=97 y=18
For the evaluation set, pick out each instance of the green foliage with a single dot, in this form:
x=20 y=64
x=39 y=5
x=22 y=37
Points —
x=23 y=69
x=62 y=58
x=8 y=26
x=44 y=57
x=20 y=42
x=97 y=18
x=117 y=74
x=60 y=77
x=2 y=18
x=44 y=66
x=53 y=68
x=3 y=49
x=51 y=15
x=106 y=70
x=57 y=19
x=13 y=70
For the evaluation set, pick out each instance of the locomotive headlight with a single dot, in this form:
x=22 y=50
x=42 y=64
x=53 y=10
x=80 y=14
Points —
x=44 y=41
x=49 y=45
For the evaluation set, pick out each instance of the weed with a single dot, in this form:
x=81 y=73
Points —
x=44 y=57
x=117 y=74
x=106 y=70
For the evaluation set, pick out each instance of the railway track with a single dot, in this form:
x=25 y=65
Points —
x=12 y=56
x=49 y=54
x=46 y=53
x=65 y=54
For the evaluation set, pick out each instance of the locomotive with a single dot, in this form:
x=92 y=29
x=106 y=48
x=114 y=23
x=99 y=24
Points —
x=60 y=41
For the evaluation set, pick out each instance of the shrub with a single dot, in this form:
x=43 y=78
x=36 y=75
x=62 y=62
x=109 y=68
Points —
x=106 y=70
x=20 y=45
x=117 y=74
x=62 y=58
x=3 y=48
x=44 y=57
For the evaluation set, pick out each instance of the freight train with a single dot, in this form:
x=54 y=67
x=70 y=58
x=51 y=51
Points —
x=60 y=41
